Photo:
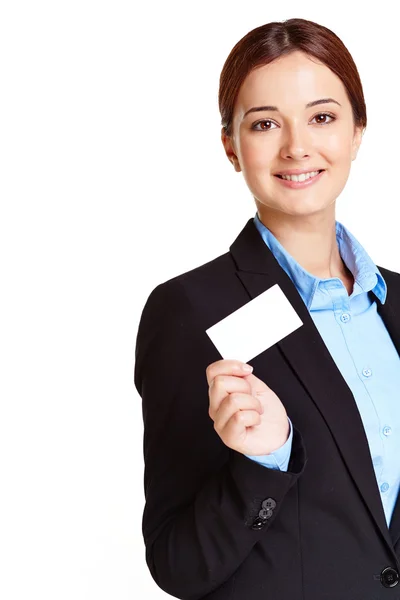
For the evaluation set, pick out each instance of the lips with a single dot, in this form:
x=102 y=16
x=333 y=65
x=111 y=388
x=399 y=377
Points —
x=303 y=183
x=280 y=176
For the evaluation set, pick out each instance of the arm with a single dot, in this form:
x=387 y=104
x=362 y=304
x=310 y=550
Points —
x=201 y=497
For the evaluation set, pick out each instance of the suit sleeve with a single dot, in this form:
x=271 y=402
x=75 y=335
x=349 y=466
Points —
x=201 y=498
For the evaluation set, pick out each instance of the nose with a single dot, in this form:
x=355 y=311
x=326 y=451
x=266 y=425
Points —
x=295 y=144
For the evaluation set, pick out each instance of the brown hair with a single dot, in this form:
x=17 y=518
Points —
x=268 y=42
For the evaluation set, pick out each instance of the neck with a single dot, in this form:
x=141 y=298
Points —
x=310 y=240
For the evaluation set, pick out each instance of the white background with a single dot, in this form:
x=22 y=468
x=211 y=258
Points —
x=113 y=180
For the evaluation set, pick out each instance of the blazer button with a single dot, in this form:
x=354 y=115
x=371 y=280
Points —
x=389 y=577
x=258 y=524
x=269 y=503
x=267 y=508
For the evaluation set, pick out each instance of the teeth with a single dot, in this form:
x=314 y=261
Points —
x=301 y=177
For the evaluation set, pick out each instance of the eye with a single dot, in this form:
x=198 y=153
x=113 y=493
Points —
x=261 y=123
x=325 y=115
x=264 y=121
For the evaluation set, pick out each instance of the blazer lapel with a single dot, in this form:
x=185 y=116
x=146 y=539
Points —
x=308 y=355
x=391 y=317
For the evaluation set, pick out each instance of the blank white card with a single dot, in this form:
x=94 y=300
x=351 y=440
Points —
x=256 y=326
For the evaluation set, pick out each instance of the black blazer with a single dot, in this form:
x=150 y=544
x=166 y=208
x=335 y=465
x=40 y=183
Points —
x=206 y=535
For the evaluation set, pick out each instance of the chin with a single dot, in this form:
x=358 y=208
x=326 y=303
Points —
x=296 y=207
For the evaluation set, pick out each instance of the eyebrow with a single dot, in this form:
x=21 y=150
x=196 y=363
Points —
x=313 y=103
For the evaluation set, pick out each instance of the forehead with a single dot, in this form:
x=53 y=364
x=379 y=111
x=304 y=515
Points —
x=289 y=81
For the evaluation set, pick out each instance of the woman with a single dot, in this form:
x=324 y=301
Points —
x=282 y=483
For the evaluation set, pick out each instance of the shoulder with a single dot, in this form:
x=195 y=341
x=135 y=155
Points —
x=221 y=266
x=209 y=286
x=197 y=287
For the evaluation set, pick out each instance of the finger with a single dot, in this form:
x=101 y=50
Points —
x=234 y=431
x=233 y=403
x=223 y=385
x=225 y=367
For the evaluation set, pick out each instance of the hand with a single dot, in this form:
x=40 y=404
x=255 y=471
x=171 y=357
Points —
x=248 y=416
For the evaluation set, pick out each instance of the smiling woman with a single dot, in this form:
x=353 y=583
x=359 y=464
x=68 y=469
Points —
x=282 y=483
x=283 y=73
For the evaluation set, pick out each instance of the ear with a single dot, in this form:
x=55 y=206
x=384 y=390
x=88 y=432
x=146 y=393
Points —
x=358 y=133
x=229 y=146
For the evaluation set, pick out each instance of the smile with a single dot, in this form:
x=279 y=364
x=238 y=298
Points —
x=305 y=180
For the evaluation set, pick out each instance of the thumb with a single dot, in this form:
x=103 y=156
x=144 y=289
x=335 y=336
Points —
x=256 y=384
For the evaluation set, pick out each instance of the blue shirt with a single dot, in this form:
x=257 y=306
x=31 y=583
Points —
x=362 y=349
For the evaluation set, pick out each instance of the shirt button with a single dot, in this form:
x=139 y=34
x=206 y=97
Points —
x=367 y=372
x=345 y=317
x=387 y=430
x=384 y=487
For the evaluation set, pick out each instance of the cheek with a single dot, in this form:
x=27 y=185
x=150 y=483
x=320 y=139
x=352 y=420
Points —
x=337 y=147
x=256 y=152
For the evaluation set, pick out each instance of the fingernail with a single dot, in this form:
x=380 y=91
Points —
x=247 y=368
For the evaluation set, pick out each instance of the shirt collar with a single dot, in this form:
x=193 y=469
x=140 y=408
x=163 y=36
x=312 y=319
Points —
x=363 y=269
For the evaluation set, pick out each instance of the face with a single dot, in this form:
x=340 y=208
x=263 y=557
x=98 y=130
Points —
x=265 y=142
